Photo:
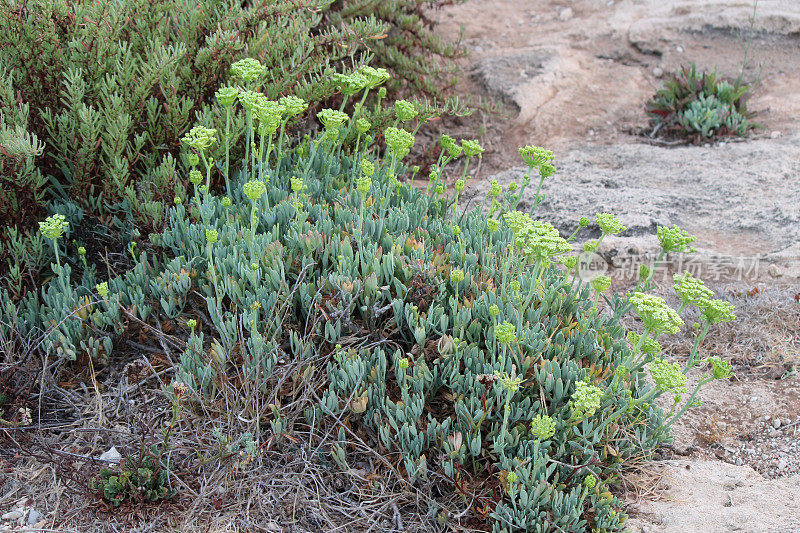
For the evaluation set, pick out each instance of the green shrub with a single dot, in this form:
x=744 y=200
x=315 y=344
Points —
x=96 y=96
x=109 y=88
x=466 y=346
x=699 y=106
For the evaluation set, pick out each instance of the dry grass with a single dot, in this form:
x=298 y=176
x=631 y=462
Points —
x=292 y=484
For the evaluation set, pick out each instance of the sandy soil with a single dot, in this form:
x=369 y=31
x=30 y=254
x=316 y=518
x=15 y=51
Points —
x=582 y=70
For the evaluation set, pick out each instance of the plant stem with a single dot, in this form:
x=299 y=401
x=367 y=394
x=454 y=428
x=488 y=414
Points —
x=227 y=150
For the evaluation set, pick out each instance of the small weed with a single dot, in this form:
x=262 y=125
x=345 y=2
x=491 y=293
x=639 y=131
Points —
x=139 y=480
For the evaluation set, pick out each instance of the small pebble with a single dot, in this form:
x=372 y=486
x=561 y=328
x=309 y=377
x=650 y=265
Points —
x=565 y=14
x=658 y=72
x=679 y=49
x=775 y=134
x=776 y=423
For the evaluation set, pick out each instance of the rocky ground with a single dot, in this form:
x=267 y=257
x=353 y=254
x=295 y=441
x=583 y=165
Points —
x=574 y=77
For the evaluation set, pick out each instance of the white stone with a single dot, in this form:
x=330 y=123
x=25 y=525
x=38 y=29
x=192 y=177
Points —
x=566 y=14
x=13 y=515
x=775 y=271
x=112 y=455
x=658 y=72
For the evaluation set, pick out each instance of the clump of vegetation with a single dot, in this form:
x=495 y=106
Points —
x=462 y=346
x=699 y=106
x=135 y=481
x=95 y=96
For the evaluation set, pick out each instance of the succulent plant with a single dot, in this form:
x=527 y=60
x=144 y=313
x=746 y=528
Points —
x=457 y=341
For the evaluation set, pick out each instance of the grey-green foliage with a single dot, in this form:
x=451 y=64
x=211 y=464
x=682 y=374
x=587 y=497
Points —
x=708 y=113
x=444 y=336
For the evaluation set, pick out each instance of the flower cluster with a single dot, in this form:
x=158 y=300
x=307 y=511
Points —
x=539 y=240
x=609 y=224
x=374 y=76
x=456 y=276
x=691 y=290
x=350 y=84
x=720 y=368
x=716 y=311
x=650 y=346
x=332 y=119
x=363 y=184
x=471 y=148
x=506 y=332
x=509 y=382
x=54 y=226
x=398 y=141
x=586 y=399
x=535 y=156
x=102 y=289
x=367 y=167
x=656 y=315
x=405 y=110
x=254 y=189
x=675 y=239
x=200 y=138
x=269 y=114
x=297 y=184
x=363 y=125
x=601 y=283
x=250 y=99
x=247 y=70
x=546 y=170
x=226 y=96
x=668 y=377
x=543 y=427
x=449 y=144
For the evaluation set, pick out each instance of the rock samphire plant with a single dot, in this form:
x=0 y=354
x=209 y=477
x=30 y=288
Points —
x=464 y=347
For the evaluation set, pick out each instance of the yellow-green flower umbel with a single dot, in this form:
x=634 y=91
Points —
x=247 y=70
x=54 y=226
x=656 y=315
